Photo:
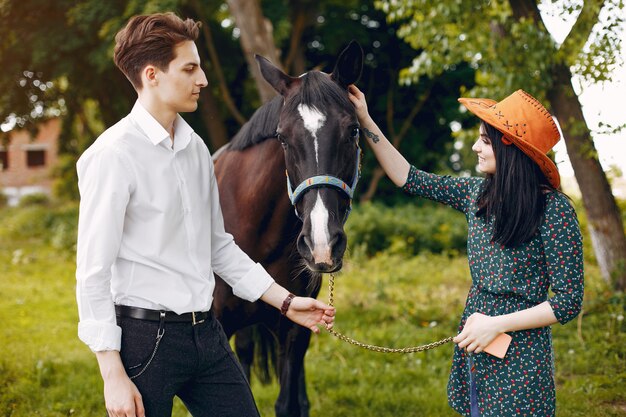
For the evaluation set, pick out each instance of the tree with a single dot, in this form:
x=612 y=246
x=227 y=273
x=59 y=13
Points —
x=319 y=29
x=68 y=45
x=38 y=48
x=509 y=46
x=256 y=38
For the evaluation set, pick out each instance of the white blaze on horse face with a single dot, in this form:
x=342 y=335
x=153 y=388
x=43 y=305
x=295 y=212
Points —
x=313 y=120
x=319 y=232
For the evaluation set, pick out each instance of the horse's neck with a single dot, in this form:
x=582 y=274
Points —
x=253 y=195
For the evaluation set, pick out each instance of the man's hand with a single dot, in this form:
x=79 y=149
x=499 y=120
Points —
x=305 y=311
x=121 y=396
x=310 y=313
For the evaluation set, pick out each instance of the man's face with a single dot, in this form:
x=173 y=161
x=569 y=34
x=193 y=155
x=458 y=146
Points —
x=179 y=87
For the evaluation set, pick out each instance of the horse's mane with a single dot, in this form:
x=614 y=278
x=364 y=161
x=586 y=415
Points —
x=262 y=125
x=316 y=89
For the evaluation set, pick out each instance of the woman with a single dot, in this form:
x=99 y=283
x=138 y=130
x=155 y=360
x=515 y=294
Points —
x=523 y=238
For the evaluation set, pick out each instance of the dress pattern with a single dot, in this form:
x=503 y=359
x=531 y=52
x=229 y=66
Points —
x=506 y=280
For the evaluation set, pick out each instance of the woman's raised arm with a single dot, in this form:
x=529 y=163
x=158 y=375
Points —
x=395 y=165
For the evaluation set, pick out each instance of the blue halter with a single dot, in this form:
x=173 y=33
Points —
x=326 y=181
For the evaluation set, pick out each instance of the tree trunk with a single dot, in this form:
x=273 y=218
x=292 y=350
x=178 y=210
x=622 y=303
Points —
x=603 y=214
x=377 y=175
x=216 y=65
x=216 y=130
x=256 y=36
x=394 y=137
x=605 y=222
x=302 y=14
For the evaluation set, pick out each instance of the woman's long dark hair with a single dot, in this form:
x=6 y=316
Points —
x=514 y=196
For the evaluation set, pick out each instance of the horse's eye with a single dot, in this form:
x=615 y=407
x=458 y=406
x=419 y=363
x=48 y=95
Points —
x=281 y=139
x=354 y=134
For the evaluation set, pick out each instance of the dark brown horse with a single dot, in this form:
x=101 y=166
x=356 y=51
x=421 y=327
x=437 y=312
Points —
x=310 y=131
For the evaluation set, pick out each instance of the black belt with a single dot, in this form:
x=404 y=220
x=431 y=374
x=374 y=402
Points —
x=156 y=315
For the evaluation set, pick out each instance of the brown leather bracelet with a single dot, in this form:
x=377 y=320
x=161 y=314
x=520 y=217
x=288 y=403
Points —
x=286 y=304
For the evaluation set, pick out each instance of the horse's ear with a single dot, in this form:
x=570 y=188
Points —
x=349 y=65
x=281 y=82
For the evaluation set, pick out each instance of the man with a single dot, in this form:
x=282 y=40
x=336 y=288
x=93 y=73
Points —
x=150 y=237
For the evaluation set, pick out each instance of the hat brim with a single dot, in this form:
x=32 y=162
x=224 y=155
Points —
x=547 y=166
x=481 y=107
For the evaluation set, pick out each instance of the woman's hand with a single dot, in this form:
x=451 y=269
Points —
x=479 y=331
x=395 y=166
x=358 y=99
x=310 y=313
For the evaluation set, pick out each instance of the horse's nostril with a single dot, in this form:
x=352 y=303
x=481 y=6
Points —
x=327 y=268
x=338 y=244
x=336 y=240
x=305 y=247
x=308 y=242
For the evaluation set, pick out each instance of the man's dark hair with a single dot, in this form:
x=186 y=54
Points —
x=150 y=40
x=514 y=197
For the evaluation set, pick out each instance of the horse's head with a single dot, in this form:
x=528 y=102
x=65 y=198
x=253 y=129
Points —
x=319 y=131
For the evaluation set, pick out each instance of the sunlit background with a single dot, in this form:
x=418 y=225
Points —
x=603 y=103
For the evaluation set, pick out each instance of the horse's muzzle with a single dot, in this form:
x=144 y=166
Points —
x=326 y=268
x=325 y=259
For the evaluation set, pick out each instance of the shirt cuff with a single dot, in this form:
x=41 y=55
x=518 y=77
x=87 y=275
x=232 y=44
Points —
x=254 y=284
x=564 y=311
x=411 y=184
x=100 y=336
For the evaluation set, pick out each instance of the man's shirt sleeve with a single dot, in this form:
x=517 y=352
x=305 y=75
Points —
x=248 y=279
x=104 y=182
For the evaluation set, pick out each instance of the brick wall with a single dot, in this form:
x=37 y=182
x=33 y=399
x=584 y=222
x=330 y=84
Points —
x=29 y=160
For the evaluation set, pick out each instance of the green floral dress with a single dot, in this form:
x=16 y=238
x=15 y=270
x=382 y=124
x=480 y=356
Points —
x=505 y=280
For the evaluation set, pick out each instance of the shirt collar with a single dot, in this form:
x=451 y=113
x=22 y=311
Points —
x=157 y=133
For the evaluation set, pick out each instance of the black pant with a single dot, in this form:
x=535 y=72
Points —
x=194 y=363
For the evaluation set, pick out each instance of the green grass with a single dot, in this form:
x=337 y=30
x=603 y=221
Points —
x=391 y=299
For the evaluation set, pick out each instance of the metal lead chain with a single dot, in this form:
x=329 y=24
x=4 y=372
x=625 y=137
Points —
x=382 y=349
x=159 y=336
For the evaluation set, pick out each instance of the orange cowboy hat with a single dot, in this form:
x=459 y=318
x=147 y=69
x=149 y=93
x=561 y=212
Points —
x=525 y=123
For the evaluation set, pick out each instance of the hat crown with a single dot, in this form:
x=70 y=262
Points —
x=525 y=118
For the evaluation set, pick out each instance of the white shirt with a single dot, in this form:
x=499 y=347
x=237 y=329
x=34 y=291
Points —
x=150 y=230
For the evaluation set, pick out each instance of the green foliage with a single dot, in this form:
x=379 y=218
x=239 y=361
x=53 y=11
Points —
x=35 y=199
x=391 y=299
x=69 y=44
x=65 y=185
x=592 y=46
x=53 y=225
x=508 y=50
x=509 y=46
x=4 y=200
x=48 y=42
x=407 y=229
